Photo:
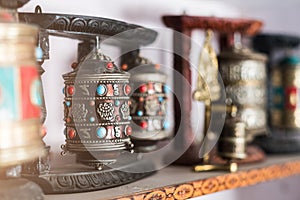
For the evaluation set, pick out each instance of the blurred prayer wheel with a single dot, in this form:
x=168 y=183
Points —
x=97 y=114
x=20 y=95
x=290 y=80
x=244 y=76
x=149 y=106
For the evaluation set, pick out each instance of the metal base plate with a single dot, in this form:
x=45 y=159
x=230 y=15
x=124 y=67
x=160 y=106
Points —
x=254 y=155
x=79 y=178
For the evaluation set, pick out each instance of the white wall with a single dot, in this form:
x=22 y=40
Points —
x=277 y=15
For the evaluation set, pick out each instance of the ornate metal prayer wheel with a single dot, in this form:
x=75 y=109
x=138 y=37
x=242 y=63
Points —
x=284 y=96
x=20 y=95
x=289 y=80
x=97 y=113
x=149 y=106
x=244 y=76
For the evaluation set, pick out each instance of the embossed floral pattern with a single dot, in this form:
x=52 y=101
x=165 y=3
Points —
x=106 y=111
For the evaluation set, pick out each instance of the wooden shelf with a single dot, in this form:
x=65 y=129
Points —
x=180 y=182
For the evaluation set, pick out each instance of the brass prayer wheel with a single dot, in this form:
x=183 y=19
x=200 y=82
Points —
x=244 y=76
x=20 y=95
x=97 y=112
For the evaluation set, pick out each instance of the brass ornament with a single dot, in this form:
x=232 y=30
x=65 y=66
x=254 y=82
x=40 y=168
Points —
x=207 y=73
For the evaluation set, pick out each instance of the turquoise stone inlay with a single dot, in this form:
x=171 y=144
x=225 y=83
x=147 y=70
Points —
x=9 y=94
x=166 y=125
x=68 y=103
x=160 y=99
x=101 y=132
x=35 y=92
x=139 y=113
x=290 y=60
x=117 y=102
x=166 y=89
x=92 y=119
x=101 y=89
x=39 y=53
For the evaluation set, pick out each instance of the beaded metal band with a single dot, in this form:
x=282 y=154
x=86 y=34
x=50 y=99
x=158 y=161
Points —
x=247 y=94
x=244 y=70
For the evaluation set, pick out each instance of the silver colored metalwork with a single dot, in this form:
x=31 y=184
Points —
x=244 y=76
x=97 y=111
x=247 y=94
x=148 y=104
x=254 y=118
x=244 y=71
x=232 y=143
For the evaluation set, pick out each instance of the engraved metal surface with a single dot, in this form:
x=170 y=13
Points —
x=76 y=178
x=88 y=27
x=148 y=102
x=243 y=71
x=97 y=110
x=244 y=75
x=247 y=94
x=254 y=118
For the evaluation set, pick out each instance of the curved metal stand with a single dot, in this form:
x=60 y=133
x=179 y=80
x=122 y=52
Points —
x=78 y=178
x=87 y=28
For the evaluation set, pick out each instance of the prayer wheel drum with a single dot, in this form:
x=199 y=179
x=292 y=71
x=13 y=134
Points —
x=97 y=113
x=244 y=76
x=20 y=95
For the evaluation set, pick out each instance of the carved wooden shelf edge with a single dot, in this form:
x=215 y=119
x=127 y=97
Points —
x=219 y=183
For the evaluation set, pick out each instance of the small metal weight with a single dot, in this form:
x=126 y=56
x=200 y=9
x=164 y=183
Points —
x=148 y=106
x=20 y=95
x=232 y=142
x=97 y=114
x=244 y=76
